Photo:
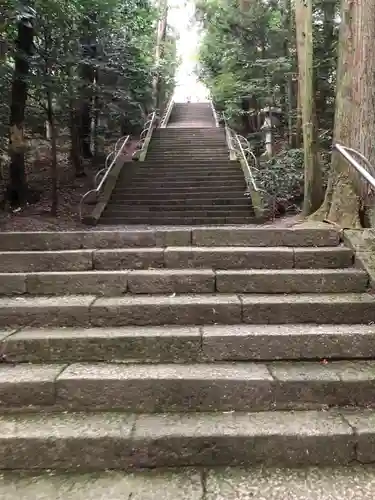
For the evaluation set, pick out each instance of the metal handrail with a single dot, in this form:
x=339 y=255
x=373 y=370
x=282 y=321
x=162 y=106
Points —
x=167 y=113
x=217 y=123
x=247 y=171
x=108 y=158
x=98 y=189
x=145 y=135
x=345 y=152
x=236 y=150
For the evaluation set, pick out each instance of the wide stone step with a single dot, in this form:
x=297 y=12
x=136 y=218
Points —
x=199 y=309
x=166 y=236
x=181 y=176
x=179 y=344
x=120 y=207
x=221 y=258
x=189 y=144
x=194 y=155
x=191 y=212
x=178 y=157
x=234 y=182
x=297 y=236
x=159 y=145
x=100 y=441
x=172 y=136
x=217 y=188
x=189 y=170
x=123 y=204
x=154 y=281
x=180 y=166
x=156 y=199
x=178 y=221
x=188 y=387
x=337 y=483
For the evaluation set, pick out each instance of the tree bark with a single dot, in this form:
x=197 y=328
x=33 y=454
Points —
x=313 y=191
x=354 y=113
x=17 y=190
x=287 y=14
x=54 y=172
x=87 y=77
x=159 y=50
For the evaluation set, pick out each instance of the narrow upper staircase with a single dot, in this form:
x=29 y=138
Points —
x=186 y=179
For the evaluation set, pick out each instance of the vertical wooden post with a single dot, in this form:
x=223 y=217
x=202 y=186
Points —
x=313 y=178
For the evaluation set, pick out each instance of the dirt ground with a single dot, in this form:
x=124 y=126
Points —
x=37 y=217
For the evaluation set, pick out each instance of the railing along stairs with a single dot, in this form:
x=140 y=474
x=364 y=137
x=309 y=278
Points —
x=92 y=196
x=366 y=172
x=167 y=113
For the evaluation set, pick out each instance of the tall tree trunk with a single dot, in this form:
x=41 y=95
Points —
x=18 y=191
x=159 y=51
x=54 y=173
x=287 y=14
x=87 y=77
x=323 y=87
x=313 y=192
x=354 y=113
x=74 y=118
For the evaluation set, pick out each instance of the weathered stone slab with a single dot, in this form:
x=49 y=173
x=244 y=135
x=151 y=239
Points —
x=284 y=438
x=70 y=260
x=318 y=308
x=263 y=237
x=104 y=485
x=119 y=239
x=74 y=240
x=291 y=281
x=229 y=257
x=312 y=483
x=173 y=237
x=315 y=258
x=131 y=258
x=363 y=424
x=172 y=281
x=27 y=385
x=12 y=284
x=305 y=385
x=163 y=310
x=75 y=283
x=163 y=344
x=166 y=387
x=363 y=243
x=75 y=441
x=44 y=311
x=40 y=241
x=272 y=342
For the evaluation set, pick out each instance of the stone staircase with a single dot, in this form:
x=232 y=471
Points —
x=196 y=115
x=187 y=177
x=178 y=347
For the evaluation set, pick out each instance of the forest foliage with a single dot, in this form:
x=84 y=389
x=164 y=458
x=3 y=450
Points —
x=91 y=67
x=248 y=61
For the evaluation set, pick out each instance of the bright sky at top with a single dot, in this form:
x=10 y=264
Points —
x=181 y=14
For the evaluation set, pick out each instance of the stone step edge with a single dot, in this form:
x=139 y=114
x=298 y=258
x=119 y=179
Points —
x=165 y=257
x=189 y=309
x=187 y=387
x=120 y=441
x=159 y=236
x=164 y=280
x=189 y=344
